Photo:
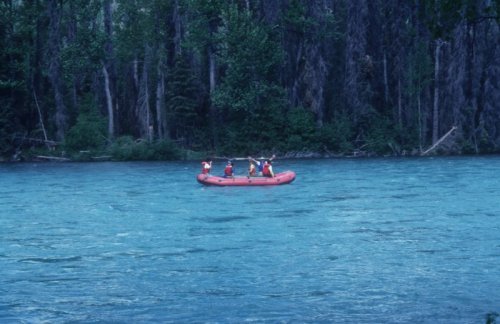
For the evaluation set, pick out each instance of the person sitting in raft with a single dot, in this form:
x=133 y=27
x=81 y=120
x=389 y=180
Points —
x=229 y=170
x=252 y=169
x=267 y=170
x=260 y=164
x=206 y=166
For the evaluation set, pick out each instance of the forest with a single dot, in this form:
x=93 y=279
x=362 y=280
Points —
x=155 y=79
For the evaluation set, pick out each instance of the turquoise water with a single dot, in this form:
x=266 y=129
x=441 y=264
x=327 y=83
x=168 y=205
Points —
x=359 y=241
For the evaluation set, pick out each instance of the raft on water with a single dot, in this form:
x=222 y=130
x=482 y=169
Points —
x=279 y=179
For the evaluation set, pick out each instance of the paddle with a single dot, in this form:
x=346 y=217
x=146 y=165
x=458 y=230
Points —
x=230 y=159
x=263 y=158
x=244 y=158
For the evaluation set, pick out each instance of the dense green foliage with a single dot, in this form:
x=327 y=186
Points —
x=126 y=148
x=89 y=131
x=150 y=79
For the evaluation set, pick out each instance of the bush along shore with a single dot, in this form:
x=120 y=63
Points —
x=126 y=148
x=123 y=149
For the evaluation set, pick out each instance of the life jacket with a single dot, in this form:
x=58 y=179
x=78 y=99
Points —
x=228 y=171
x=205 y=167
x=265 y=170
x=260 y=166
x=251 y=169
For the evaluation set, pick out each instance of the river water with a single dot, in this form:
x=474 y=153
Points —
x=359 y=241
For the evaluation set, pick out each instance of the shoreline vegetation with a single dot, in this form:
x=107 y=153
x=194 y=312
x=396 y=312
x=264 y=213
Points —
x=128 y=149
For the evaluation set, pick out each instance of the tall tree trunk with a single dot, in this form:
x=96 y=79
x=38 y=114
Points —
x=161 y=117
x=36 y=66
x=143 y=111
x=109 y=103
x=435 y=110
x=40 y=115
x=314 y=78
x=212 y=70
x=400 y=104
x=109 y=66
x=469 y=94
x=72 y=38
x=386 y=82
x=178 y=28
x=469 y=62
x=357 y=12
x=419 y=114
x=135 y=69
x=55 y=73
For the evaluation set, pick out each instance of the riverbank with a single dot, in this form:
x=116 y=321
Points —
x=189 y=155
x=126 y=148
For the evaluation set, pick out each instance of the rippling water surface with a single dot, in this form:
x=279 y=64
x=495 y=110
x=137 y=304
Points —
x=360 y=241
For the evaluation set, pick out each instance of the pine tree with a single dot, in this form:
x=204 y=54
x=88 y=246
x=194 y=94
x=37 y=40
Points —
x=181 y=100
x=249 y=95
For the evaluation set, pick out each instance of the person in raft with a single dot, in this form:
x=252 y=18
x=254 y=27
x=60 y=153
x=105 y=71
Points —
x=259 y=165
x=206 y=166
x=229 y=170
x=252 y=169
x=267 y=170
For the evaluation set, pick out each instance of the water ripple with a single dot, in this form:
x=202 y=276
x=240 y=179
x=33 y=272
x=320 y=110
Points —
x=51 y=260
x=370 y=241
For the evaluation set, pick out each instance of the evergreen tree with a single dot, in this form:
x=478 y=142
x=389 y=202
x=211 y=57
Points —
x=181 y=94
x=249 y=95
x=245 y=76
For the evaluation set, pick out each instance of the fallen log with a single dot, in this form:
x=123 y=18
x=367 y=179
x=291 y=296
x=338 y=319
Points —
x=52 y=158
x=101 y=158
x=441 y=140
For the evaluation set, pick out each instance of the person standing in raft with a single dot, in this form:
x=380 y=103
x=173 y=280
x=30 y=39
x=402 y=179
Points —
x=229 y=170
x=206 y=166
x=267 y=170
x=260 y=164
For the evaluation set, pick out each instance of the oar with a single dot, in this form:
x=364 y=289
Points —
x=243 y=158
x=231 y=158
x=264 y=158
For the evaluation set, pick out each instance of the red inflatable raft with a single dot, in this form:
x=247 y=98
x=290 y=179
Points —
x=279 y=179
